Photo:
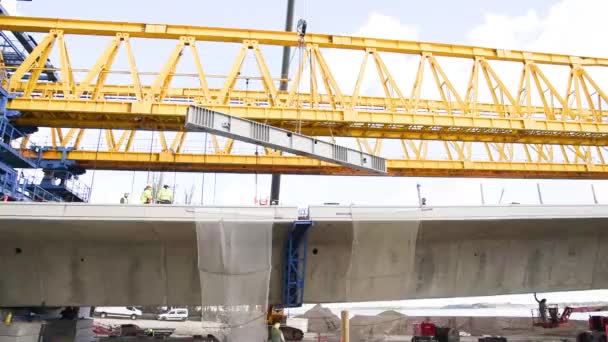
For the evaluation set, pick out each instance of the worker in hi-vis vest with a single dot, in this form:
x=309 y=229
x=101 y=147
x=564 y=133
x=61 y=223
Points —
x=276 y=335
x=146 y=196
x=164 y=195
x=125 y=198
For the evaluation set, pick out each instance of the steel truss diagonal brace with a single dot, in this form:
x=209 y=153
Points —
x=206 y=120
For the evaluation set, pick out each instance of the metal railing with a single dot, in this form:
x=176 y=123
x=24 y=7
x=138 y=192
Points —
x=72 y=185
x=29 y=189
x=303 y=214
x=22 y=188
x=8 y=182
x=9 y=131
x=78 y=189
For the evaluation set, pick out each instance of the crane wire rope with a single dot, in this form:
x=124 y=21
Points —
x=300 y=51
x=95 y=165
x=133 y=182
x=203 y=182
x=174 y=182
x=214 y=187
x=255 y=189
x=150 y=157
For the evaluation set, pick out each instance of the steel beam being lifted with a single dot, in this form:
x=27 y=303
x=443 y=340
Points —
x=206 y=120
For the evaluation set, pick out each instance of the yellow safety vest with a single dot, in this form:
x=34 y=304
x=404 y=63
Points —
x=146 y=197
x=165 y=195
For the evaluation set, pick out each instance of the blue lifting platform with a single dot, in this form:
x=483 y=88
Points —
x=295 y=263
x=65 y=185
x=16 y=187
x=61 y=177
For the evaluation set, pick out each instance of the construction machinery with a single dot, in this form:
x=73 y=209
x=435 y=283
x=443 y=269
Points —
x=598 y=330
x=555 y=320
x=429 y=332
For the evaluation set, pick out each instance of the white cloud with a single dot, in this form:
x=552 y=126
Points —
x=575 y=27
x=384 y=26
x=570 y=26
x=506 y=32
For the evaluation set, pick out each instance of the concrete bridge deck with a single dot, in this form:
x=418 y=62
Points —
x=84 y=254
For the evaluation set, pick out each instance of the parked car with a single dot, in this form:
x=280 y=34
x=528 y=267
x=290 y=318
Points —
x=118 y=311
x=174 y=315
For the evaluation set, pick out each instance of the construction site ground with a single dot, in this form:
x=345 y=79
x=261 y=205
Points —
x=185 y=330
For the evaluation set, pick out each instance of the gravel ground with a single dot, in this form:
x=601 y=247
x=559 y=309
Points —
x=185 y=330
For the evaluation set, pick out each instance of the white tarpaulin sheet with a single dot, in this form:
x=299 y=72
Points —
x=234 y=262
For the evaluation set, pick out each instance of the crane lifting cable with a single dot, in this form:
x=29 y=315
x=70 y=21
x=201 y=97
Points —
x=206 y=120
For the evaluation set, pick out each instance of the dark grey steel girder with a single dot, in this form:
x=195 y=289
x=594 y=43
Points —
x=206 y=120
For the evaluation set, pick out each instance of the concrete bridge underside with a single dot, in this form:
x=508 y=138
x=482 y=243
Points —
x=57 y=254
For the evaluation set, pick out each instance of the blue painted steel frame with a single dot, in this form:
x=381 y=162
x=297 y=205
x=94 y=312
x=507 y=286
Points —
x=294 y=271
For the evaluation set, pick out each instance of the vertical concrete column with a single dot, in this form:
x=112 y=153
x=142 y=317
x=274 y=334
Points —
x=84 y=312
x=345 y=327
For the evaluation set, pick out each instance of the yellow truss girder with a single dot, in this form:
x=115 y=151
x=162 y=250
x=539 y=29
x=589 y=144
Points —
x=535 y=112
x=316 y=122
x=196 y=162
x=265 y=37
x=512 y=116
x=463 y=159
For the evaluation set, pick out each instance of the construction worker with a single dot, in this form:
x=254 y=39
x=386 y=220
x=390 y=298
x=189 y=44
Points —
x=276 y=335
x=125 y=198
x=542 y=308
x=146 y=196
x=165 y=195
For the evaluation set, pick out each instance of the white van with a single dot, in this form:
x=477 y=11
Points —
x=174 y=315
x=118 y=311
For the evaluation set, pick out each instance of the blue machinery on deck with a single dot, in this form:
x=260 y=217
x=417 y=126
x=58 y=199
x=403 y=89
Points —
x=59 y=182
x=15 y=186
x=295 y=263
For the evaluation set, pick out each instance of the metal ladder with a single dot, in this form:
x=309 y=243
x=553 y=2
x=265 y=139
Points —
x=295 y=263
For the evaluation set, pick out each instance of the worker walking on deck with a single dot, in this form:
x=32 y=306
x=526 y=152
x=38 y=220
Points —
x=146 y=196
x=542 y=308
x=276 y=335
x=125 y=198
x=165 y=195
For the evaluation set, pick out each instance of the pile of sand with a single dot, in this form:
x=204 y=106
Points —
x=391 y=313
x=393 y=323
x=321 y=320
x=370 y=328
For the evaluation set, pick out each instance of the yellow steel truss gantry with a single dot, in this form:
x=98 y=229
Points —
x=537 y=128
x=416 y=157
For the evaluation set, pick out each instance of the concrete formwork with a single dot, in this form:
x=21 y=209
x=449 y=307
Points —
x=145 y=255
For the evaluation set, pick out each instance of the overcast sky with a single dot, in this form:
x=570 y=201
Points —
x=565 y=26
